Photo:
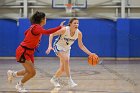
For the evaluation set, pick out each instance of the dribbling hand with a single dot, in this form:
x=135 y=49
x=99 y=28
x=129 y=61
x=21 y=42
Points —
x=92 y=54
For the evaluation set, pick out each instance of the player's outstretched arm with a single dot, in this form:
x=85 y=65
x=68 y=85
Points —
x=40 y=30
x=81 y=45
x=52 y=30
x=61 y=31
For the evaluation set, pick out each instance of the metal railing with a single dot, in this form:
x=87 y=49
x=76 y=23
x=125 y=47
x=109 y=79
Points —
x=122 y=7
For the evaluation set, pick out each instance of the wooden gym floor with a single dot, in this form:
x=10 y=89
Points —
x=108 y=77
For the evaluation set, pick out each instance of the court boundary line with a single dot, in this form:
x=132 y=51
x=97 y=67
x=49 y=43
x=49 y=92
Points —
x=116 y=73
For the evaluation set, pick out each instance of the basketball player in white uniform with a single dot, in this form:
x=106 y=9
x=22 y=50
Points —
x=62 y=46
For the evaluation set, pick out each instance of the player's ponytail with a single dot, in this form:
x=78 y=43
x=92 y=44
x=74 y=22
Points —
x=37 y=17
x=71 y=20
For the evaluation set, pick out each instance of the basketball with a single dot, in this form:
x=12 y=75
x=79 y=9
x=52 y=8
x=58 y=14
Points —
x=93 y=60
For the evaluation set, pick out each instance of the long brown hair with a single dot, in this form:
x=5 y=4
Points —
x=71 y=20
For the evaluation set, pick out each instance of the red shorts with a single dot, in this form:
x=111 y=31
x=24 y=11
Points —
x=23 y=54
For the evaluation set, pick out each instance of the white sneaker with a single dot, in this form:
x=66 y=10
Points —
x=71 y=83
x=20 y=88
x=55 y=82
x=10 y=76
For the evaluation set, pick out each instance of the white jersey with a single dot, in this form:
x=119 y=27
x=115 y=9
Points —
x=64 y=42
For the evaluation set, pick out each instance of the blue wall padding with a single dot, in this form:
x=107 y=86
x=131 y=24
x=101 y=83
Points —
x=122 y=45
x=8 y=37
x=107 y=38
x=134 y=38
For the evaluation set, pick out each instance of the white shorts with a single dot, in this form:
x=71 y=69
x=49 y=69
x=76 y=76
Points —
x=60 y=49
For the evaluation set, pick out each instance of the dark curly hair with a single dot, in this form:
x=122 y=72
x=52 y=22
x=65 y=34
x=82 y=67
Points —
x=37 y=17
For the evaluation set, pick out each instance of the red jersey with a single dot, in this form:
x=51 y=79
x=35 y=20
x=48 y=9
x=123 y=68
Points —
x=34 y=34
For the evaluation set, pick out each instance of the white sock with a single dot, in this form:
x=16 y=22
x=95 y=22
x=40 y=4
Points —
x=15 y=74
x=20 y=83
x=54 y=77
x=70 y=79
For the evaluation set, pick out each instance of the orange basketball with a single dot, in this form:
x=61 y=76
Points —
x=93 y=60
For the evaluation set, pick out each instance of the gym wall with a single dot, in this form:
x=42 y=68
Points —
x=105 y=37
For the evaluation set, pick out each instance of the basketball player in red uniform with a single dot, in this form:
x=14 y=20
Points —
x=26 y=49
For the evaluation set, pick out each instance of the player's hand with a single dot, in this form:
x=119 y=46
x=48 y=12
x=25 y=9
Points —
x=48 y=50
x=62 y=23
x=92 y=54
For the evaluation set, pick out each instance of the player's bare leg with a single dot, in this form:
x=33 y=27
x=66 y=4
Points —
x=29 y=73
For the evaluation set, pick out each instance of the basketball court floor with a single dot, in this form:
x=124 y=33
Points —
x=108 y=77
